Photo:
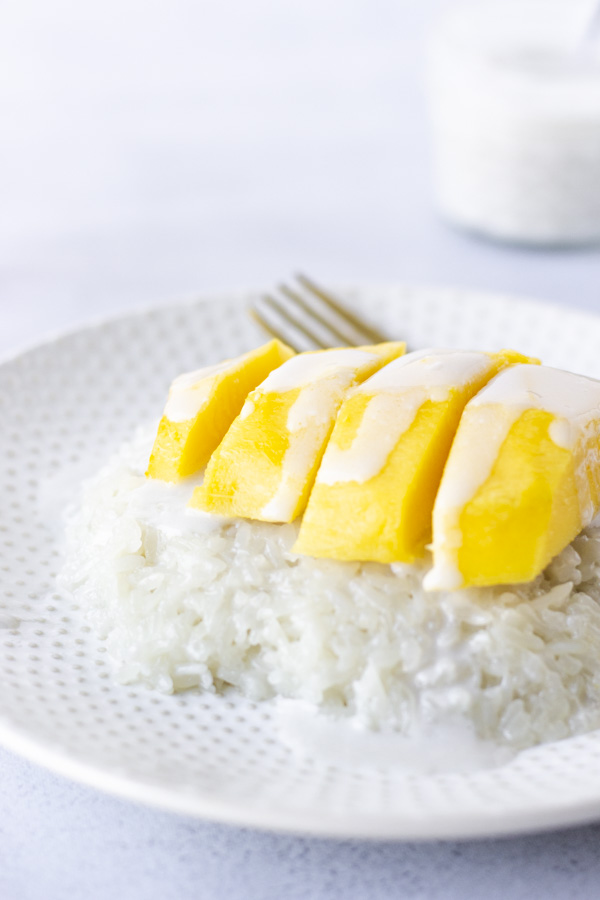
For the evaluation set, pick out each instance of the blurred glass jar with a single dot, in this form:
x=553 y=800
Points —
x=515 y=105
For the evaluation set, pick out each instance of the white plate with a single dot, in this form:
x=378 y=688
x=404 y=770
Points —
x=64 y=406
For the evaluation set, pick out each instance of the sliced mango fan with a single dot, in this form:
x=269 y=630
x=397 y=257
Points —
x=491 y=460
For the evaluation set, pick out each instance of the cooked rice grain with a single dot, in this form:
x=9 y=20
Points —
x=181 y=607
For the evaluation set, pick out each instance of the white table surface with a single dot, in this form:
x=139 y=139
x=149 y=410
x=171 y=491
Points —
x=155 y=151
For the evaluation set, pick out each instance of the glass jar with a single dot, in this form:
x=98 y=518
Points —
x=515 y=108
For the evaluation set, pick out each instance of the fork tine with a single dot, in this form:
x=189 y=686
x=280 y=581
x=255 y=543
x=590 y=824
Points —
x=293 y=320
x=371 y=333
x=309 y=310
x=266 y=326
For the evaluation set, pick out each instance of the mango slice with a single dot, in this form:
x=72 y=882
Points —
x=374 y=492
x=265 y=466
x=521 y=481
x=201 y=407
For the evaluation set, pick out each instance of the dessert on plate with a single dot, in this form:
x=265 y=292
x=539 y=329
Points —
x=401 y=540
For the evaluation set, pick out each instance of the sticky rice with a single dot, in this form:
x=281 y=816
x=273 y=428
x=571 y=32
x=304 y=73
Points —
x=190 y=601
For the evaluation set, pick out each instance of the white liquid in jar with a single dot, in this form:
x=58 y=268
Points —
x=516 y=120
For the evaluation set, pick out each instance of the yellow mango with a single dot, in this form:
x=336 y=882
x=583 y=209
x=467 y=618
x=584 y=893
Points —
x=522 y=479
x=266 y=464
x=374 y=492
x=201 y=407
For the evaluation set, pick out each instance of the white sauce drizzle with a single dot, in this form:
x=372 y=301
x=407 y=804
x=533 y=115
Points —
x=562 y=433
x=190 y=392
x=308 y=422
x=431 y=369
x=247 y=409
x=573 y=399
x=164 y=505
x=384 y=422
x=449 y=746
x=305 y=368
x=541 y=387
x=400 y=388
x=297 y=463
x=323 y=377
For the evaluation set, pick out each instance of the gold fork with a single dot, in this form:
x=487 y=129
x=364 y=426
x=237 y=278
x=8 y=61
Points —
x=308 y=314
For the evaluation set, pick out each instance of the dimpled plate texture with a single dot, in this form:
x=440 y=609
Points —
x=64 y=407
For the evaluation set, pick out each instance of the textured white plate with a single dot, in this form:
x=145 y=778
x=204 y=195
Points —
x=63 y=407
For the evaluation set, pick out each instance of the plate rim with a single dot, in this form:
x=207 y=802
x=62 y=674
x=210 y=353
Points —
x=460 y=825
x=241 y=295
x=449 y=827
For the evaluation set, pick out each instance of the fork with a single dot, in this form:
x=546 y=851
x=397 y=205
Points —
x=307 y=313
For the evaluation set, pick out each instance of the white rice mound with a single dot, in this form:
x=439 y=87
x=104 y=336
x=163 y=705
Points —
x=187 y=601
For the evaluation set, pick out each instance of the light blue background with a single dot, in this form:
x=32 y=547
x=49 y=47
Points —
x=153 y=151
x=59 y=840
